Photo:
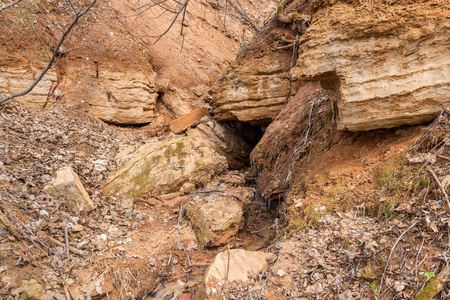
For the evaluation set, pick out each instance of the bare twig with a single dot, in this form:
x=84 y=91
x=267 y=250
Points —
x=184 y=249
x=9 y=5
x=392 y=251
x=71 y=249
x=161 y=278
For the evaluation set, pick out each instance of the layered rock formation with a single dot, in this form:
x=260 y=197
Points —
x=385 y=65
x=163 y=167
x=127 y=97
x=16 y=75
x=256 y=86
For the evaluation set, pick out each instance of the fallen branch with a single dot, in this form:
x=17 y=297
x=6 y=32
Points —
x=71 y=249
x=66 y=240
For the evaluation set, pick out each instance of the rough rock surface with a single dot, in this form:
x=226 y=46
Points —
x=287 y=139
x=256 y=85
x=217 y=212
x=227 y=139
x=31 y=290
x=122 y=97
x=190 y=119
x=67 y=184
x=16 y=76
x=164 y=166
x=385 y=65
x=242 y=266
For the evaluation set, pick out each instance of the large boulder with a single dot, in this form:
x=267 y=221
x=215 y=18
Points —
x=161 y=167
x=236 y=265
x=227 y=139
x=67 y=185
x=383 y=71
x=217 y=212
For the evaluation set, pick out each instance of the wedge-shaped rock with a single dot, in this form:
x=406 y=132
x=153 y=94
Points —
x=162 y=167
x=190 y=119
x=67 y=185
x=242 y=266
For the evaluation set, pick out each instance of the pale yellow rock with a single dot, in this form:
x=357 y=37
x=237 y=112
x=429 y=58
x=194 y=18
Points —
x=31 y=290
x=225 y=141
x=67 y=185
x=383 y=71
x=216 y=218
x=16 y=76
x=126 y=97
x=242 y=266
x=162 y=167
x=254 y=89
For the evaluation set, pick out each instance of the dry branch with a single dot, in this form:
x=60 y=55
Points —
x=71 y=249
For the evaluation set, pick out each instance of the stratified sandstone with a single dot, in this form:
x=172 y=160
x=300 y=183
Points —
x=126 y=97
x=163 y=167
x=16 y=76
x=383 y=65
x=255 y=87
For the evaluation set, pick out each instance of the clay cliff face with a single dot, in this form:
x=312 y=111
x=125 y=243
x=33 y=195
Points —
x=113 y=65
x=383 y=65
